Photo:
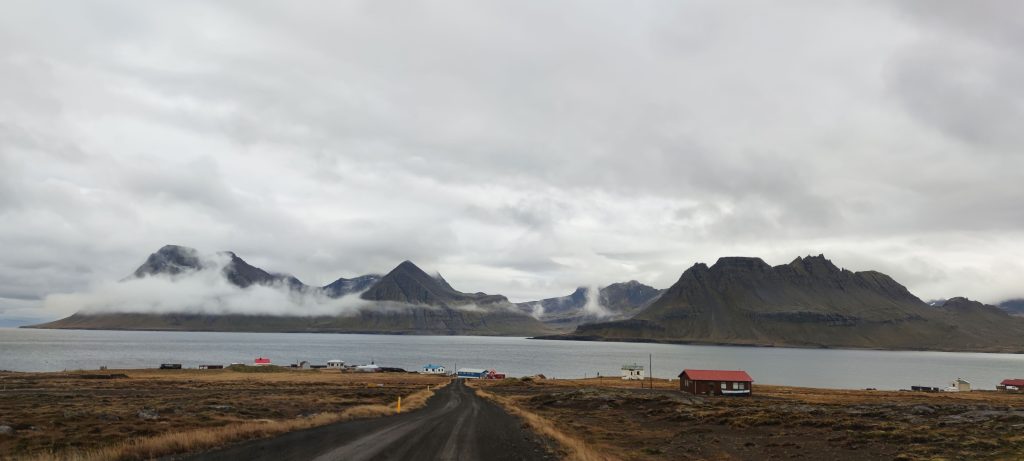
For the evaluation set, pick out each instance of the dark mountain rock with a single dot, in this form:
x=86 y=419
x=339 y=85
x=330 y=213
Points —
x=394 y=319
x=1013 y=306
x=176 y=260
x=962 y=304
x=617 y=301
x=170 y=260
x=571 y=304
x=808 y=302
x=409 y=284
x=344 y=286
x=244 y=274
x=627 y=296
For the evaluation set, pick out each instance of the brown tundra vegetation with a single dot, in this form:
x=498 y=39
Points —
x=607 y=419
x=142 y=414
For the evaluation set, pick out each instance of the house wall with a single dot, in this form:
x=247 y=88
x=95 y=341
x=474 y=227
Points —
x=632 y=374
x=711 y=387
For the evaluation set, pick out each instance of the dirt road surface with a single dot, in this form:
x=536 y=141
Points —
x=455 y=424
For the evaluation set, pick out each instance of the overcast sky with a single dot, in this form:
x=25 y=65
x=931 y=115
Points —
x=518 y=147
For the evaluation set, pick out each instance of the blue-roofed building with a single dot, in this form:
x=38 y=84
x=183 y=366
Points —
x=471 y=373
x=432 y=369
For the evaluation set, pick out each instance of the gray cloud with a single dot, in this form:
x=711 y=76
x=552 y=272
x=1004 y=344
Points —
x=523 y=149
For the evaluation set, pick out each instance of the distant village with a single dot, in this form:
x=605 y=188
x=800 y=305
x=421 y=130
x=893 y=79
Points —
x=697 y=382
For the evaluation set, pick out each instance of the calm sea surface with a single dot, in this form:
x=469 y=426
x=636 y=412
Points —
x=54 y=350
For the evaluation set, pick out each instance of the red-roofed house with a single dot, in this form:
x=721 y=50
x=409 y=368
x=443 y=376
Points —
x=716 y=382
x=1011 y=385
x=261 y=361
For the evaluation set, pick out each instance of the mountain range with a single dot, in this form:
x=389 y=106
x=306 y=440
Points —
x=406 y=300
x=808 y=303
x=739 y=300
x=613 y=302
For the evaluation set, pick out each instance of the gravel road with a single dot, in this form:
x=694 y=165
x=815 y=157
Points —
x=455 y=424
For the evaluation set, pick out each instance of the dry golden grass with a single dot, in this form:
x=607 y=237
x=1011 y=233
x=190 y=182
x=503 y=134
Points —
x=622 y=420
x=204 y=439
x=74 y=415
x=576 y=449
x=805 y=394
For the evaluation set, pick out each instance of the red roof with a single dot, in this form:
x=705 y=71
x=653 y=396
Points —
x=262 y=360
x=1013 y=382
x=717 y=375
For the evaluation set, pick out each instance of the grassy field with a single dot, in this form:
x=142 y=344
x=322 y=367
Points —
x=607 y=419
x=137 y=414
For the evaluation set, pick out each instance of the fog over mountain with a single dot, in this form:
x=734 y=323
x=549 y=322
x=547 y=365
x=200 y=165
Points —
x=521 y=148
x=190 y=282
x=181 y=288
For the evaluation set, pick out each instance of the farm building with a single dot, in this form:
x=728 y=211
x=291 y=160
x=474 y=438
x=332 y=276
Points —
x=471 y=373
x=1011 y=385
x=432 y=369
x=493 y=374
x=210 y=367
x=959 y=385
x=335 y=364
x=170 y=366
x=261 y=361
x=633 y=371
x=716 y=382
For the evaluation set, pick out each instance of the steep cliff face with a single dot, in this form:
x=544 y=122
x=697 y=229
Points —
x=808 y=302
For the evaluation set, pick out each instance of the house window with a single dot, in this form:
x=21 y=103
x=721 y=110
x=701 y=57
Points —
x=723 y=385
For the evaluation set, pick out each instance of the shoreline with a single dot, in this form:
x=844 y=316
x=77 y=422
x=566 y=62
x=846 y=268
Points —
x=553 y=337
x=685 y=342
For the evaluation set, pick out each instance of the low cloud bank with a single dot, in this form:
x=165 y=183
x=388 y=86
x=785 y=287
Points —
x=205 y=292
x=209 y=292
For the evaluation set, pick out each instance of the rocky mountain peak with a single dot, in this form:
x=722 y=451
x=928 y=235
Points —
x=740 y=264
x=814 y=265
x=171 y=260
x=409 y=284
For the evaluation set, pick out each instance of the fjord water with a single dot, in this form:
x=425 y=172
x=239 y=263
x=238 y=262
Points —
x=55 y=350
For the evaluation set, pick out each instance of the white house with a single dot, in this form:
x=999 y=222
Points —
x=633 y=371
x=432 y=369
x=335 y=364
x=959 y=385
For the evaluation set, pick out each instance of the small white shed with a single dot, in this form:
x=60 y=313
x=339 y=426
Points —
x=335 y=364
x=634 y=371
x=959 y=385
